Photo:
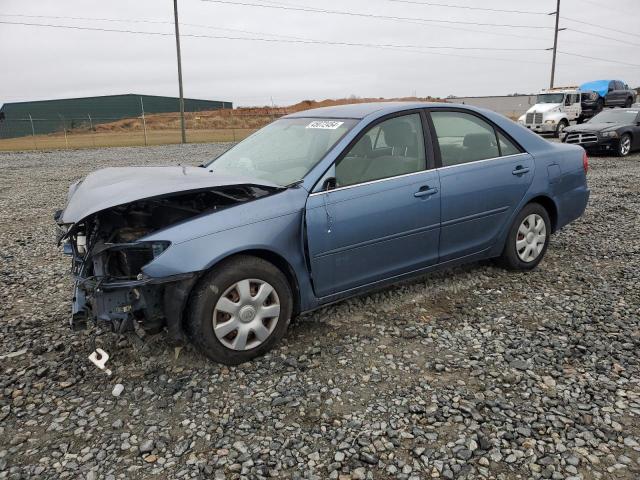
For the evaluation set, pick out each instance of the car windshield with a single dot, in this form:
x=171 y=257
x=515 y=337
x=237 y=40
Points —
x=615 y=116
x=550 y=98
x=284 y=151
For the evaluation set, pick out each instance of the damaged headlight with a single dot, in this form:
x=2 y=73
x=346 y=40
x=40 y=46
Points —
x=127 y=260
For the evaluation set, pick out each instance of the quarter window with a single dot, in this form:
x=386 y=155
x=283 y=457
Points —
x=506 y=146
x=464 y=138
x=391 y=148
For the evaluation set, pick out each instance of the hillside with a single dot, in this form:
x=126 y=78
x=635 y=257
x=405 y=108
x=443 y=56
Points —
x=241 y=118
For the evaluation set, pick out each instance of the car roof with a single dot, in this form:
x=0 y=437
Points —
x=361 y=110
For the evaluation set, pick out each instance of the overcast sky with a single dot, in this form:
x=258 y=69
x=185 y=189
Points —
x=44 y=63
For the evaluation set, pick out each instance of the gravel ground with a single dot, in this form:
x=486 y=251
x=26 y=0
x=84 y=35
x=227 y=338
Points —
x=470 y=373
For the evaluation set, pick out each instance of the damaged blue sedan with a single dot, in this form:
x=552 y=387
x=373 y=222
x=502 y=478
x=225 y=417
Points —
x=315 y=207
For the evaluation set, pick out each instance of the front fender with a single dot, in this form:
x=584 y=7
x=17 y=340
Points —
x=280 y=235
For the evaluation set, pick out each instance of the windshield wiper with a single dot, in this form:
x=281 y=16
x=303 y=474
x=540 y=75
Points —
x=293 y=184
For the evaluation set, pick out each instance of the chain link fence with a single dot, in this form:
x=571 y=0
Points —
x=88 y=131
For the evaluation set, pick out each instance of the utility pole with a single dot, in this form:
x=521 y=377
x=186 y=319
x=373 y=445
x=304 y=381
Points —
x=555 y=45
x=175 y=15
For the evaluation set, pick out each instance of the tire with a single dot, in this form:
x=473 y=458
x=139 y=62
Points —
x=511 y=258
x=600 y=105
x=562 y=124
x=236 y=285
x=624 y=145
x=628 y=102
x=580 y=120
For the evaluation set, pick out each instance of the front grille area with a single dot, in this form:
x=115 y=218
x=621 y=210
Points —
x=582 y=138
x=533 y=117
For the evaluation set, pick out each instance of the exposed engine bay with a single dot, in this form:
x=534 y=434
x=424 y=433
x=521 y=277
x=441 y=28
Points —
x=109 y=252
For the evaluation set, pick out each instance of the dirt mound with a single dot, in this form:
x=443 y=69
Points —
x=238 y=118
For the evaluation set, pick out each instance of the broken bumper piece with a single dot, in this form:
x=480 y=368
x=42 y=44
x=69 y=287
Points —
x=118 y=305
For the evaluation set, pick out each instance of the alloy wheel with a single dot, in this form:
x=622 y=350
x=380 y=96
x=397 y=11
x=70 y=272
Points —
x=246 y=314
x=625 y=145
x=531 y=238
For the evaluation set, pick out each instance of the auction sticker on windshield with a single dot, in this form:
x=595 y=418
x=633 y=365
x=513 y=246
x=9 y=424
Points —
x=325 y=124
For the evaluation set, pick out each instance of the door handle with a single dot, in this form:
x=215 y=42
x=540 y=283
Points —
x=520 y=170
x=425 y=192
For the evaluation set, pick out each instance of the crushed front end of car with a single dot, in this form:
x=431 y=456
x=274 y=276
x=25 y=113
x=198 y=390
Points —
x=106 y=242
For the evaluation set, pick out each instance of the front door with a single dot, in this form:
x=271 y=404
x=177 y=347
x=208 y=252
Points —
x=572 y=105
x=483 y=177
x=380 y=216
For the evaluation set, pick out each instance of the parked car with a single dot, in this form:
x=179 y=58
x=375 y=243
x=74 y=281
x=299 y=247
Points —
x=607 y=93
x=614 y=131
x=316 y=207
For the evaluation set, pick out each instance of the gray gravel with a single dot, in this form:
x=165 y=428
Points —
x=471 y=373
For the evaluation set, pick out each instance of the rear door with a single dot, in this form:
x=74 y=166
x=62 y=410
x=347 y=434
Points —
x=484 y=175
x=380 y=216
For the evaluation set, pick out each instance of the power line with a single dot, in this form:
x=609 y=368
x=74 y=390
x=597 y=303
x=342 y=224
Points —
x=292 y=40
x=414 y=48
x=597 y=26
x=154 y=22
x=371 y=15
x=398 y=48
x=465 y=7
x=599 y=58
x=211 y=27
x=591 y=34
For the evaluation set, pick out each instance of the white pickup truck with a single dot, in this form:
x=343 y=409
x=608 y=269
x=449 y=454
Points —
x=555 y=108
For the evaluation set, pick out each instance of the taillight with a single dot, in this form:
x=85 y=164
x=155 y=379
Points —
x=585 y=161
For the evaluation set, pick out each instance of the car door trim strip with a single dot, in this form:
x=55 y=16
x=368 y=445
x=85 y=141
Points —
x=474 y=216
x=378 y=240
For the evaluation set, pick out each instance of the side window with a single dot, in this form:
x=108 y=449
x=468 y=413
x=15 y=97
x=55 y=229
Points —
x=612 y=85
x=391 y=148
x=506 y=146
x=464 y=138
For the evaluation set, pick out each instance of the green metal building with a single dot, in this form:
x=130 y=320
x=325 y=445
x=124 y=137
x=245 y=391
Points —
x=47 y=116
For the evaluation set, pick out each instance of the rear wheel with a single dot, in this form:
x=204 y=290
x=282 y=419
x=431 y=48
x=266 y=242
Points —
x=624 y=145
x=528 y=239
x=600 y=105
x=239 y=310
x=628 y=102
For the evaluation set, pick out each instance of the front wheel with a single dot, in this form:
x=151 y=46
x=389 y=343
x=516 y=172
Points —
x=628 y=103
x=560 y=128
x=528 y=239
x=624 y=145
x=239 y=310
